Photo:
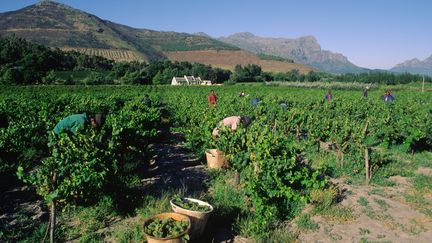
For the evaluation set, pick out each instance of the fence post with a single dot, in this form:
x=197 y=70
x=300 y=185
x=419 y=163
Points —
x=366 y=156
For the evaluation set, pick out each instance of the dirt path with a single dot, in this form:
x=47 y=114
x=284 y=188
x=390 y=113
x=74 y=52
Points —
x=382 y=215
x=20 y=207
x=177 y=168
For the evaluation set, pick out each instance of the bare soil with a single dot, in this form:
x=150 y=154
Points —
x=386 y=217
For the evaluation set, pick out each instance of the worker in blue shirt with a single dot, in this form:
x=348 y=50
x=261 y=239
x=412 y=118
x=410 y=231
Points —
x=388 y=97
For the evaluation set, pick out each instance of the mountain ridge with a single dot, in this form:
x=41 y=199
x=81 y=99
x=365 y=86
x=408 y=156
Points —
x=415 y=66
x=305 y=49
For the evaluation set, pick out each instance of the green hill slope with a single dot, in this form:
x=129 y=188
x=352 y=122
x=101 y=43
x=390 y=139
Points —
x=57 y=25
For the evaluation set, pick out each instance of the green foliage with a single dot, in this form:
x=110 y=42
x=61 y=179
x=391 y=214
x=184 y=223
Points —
x=130 y=234
x=81 y=167
x=50 y=78
x=264 y=56
x=382 y=204
x=96 y=78
x=362 y=79
x=248 y=73
x=185 y=42
x=304 y=222
x=190 y=205
x=323 y=199
x=165 y=228
x=277 y=155
x=363 y=201
x=26 y=63
x=227 y=200
x=422 y=183
x=86 y=220
x=158 y=79
x=381 y=77
x=338 y=214
x=268 y=153
x=76 y=170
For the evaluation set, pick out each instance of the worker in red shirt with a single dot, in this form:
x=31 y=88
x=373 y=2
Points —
x=212 y=99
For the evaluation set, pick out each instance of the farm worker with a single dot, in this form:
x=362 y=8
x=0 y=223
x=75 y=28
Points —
x=255 y=101
x=74 y=122
x=387 y=97
x=232 y=122
x=329 y=96
x=212 y=99
x=366 y=92
x=283 y=105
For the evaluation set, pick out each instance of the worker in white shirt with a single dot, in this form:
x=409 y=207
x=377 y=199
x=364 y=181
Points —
x=232 y=122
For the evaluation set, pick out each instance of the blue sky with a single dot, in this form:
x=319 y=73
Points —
x=371 y=33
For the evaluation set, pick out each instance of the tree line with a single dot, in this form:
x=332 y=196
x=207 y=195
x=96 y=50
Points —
x=26 y=63
x=373 y=77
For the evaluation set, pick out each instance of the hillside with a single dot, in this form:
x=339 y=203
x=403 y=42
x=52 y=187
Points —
x=415 y=66
x=229 y=59
x=58 y=25
x=304 y=50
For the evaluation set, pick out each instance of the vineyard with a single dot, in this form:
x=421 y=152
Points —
x=287 y=158
x=111 y=54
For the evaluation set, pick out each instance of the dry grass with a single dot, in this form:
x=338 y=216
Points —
x=229 y=59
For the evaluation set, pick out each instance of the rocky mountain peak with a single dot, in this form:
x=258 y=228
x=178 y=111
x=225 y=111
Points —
x=246 y=35
x=305 y=49
x=415 y=66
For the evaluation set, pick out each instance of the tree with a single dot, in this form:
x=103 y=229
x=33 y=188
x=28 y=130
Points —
x=7 y=76
x=158 y=78
x=131 y=77
x=96 y=78
x=312 y=77
x=50 y=78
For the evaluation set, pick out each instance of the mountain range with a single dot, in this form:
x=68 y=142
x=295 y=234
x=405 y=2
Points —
x=302 y=50
x=61 y=26
x=415 y=66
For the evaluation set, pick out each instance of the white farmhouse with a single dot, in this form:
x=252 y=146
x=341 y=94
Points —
x=189 y=80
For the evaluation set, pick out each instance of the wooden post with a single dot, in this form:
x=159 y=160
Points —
x=53 y=211
x=53 y=221
x=366 y=156
x=366 y=153
x=423 y=85
x=236 y=178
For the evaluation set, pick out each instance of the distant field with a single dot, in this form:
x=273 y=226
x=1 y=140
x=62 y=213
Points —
x=112 y=54
x=226 y=59
x=229 y=59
